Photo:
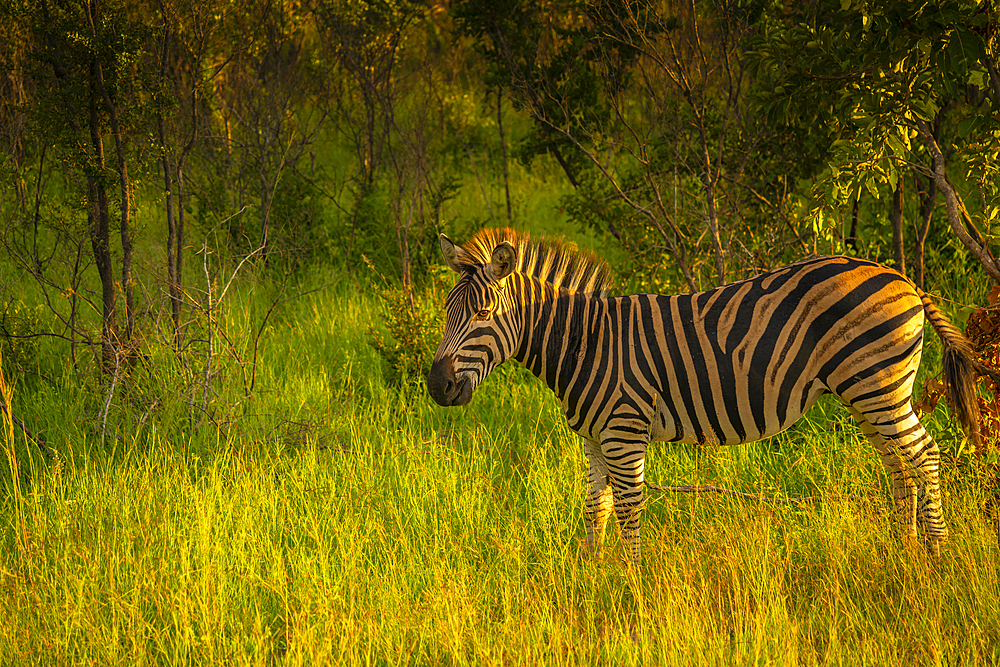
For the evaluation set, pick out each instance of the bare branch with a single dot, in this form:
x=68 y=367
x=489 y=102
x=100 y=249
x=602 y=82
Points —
x=958 y=216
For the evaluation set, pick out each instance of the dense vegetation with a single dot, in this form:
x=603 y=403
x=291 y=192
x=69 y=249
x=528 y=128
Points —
x=220 y=288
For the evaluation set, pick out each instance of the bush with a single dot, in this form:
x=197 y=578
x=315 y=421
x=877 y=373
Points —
x=17 y=323
x=412 y=332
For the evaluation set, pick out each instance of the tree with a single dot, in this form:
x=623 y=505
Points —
x=884 y=82
x=644 y=106
x=82 y=56
x=188 y=33
x=387 y=108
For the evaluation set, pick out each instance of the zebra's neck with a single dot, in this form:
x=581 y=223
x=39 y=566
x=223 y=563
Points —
x=555 y=332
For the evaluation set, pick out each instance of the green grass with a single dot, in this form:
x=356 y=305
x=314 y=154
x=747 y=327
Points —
x=326 y=519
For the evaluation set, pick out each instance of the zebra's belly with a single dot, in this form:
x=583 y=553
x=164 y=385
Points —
x=714 y=427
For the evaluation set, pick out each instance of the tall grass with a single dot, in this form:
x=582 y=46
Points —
x=332 y=520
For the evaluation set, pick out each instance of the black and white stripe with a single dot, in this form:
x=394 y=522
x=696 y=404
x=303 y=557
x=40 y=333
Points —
x=729 y=365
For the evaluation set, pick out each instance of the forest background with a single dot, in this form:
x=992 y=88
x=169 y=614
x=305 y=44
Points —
x=220 y=278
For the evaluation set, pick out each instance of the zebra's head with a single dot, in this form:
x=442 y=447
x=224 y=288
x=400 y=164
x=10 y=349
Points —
x=476 y=336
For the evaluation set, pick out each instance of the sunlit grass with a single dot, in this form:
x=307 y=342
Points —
x=331 y=520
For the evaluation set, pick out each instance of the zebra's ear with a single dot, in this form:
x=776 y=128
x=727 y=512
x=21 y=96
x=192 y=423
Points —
x=454 y=255
x=502 y=261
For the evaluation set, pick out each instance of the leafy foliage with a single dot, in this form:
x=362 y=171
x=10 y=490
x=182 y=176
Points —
x=18 y=324
x=412 y=333
x=889 y=85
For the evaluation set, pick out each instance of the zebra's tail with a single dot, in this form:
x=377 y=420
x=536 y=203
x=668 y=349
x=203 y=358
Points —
x=961 y=370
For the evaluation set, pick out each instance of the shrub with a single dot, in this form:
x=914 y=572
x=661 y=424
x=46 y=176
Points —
x=412 y=333
x=17 y=323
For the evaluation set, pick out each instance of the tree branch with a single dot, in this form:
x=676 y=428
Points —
x=958 y=216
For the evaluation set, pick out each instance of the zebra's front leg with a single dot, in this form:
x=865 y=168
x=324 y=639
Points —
x=626 y=460
x=599 y=497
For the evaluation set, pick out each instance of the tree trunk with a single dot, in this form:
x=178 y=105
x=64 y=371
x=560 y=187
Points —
x=265 y=206
x=503 y=150
x=713 y=228
x=35 y=257
x=168 y=204
x=898 y=256
x=403 y=240
x=710 y=182
x=100 y=233
x=179 y=231
x=173 y=284
x=125 y=203
x=926 y=212
x=179 y=244
x=852 y=236
x=124 y=187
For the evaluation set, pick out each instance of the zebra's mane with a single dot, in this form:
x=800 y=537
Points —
x=556 y=262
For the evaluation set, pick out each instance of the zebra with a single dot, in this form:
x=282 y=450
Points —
x=728 y=365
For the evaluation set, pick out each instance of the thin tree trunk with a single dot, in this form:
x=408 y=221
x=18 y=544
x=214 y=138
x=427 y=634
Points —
x=172 y=283
x=265 y=206
x=75 y=286
x=179 y=245
x=168 y=205
x=179 y=235
x=710 y=186
x=899 y=257
x=124 y=186
x=710 y=180
x=125 y=193
x=503 y=150
x=926 y=212
x=852 y=237
x=100 y=232
x=36 y=260
x=713 y=228
x=403 y=239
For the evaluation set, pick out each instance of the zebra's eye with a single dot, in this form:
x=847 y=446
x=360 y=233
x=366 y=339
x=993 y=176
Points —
x=483 y=314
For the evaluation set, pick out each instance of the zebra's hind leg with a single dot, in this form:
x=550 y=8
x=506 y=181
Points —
x=912 y=459
x=599 y=497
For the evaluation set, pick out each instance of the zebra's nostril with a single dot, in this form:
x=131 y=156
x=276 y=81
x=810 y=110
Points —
x=442 y=384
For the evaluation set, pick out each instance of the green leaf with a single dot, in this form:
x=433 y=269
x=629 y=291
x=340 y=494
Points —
x=923 y=109
x=967 y=125
x=872 y=187
x=896 y=145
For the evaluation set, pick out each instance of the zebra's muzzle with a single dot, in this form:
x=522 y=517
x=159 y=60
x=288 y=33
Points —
x=445 y=387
